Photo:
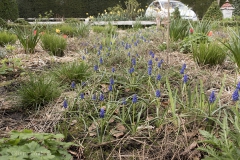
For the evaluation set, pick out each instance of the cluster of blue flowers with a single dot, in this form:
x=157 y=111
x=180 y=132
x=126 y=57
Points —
x=235 y=95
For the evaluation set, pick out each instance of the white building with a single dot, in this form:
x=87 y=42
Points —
x=227 y=9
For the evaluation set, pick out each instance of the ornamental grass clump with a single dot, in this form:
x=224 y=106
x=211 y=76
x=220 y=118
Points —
x=7 y=38
x=38 y=91
x=178 y=29
x=208 y=53
x=75 y=71
x=54 y=43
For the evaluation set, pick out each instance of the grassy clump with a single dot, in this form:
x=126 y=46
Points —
x=7 y=38
x=208 y=53
x=76 y=71
x=54 y=43
x=38 y=91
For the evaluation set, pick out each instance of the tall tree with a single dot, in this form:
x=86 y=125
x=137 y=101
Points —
x=8 y=10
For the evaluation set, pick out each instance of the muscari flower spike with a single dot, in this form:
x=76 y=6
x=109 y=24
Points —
x=82 y=95
x=150 y=62
x=133 y=61
x=111 y=81
x=124 y=102
x=73 y=85
x=101 y=60
x=134 y=99
x=149 y=70
x=212 y=97
x=183 y=68
x=158 y=77
x=113 y=69
x=94 y=97
x=158 y=93
x=185 y=78
x=65 y=103
x=102 y=113
x=131 y=70
x=235 y=95
x=96 y=68
x=101 y=97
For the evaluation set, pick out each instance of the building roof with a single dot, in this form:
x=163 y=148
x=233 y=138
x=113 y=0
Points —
x=227 y=5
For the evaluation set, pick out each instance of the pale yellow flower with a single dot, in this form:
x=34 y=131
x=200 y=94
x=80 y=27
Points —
x=110 y=12
x=86 y=13
x=58 y=31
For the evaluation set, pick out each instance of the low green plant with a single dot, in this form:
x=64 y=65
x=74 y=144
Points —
x=28 y=38
x=233 y=45
x=7 y=38
x=83 y=29
x=28 y=145
x=3 y=52
x=98 y=29
x=8 y=65
x=137 y=25
x=225 y=143
x=37 y=91
x=202 y=27
x=75 y=71
x=178 y=29
x=208 y=53
x=71 y=20
x=54 y=43
x=68 y=30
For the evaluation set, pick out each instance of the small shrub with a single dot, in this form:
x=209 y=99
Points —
x=68 y=30
x=137 y=25
x=71 y=20
x=208 y=53
x=213 y=13
x=28 y=145
x=28 y=38
x=74 y=71
x=176 y=14
x=54 y=43
x=7 y=38
x=38 y=91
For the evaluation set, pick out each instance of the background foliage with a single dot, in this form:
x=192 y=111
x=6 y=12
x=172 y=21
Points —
x=79 y=8
x=8 y=10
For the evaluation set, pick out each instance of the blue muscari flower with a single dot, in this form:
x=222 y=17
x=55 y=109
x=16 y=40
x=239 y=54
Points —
x=101 y=60
x=183 y=68
x=110 y=88
x=65 y=103
x=124 y=102
x=158 y=77
x=100 y=47
x=135 y=44
x=111 y=81
x=99 y=52
x=134 y=99
x=82 y=95
x=110 y=43
x=83 y=57
x=96 y=68
x=137 y=55
x=235 y=95
x=158 y=93
x=101 y=97
x=150 y=62
x=238 y=86
x=131 y=70
x=102 y=113
x=128 y=54
x=113 y=69
x=94 y=97
x=156 y=59
x=185 y=78
x=152 y=55
x=109 y=48
x=73 y=85
x=149 y=70
x=133 y=61
x=126 y=46
x=212 y=97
